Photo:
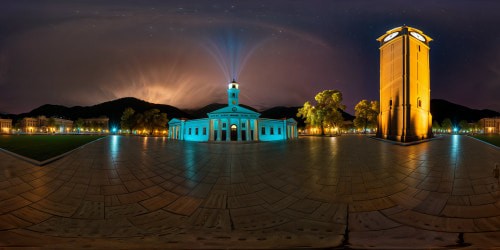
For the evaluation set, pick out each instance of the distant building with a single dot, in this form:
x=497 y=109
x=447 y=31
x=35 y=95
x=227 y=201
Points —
x=100 y=124
x=404 y=85
x=490 y=125
x=233 y=123
x=5 y=126
x=41 y=124
x=60 y=125
x=29 y=125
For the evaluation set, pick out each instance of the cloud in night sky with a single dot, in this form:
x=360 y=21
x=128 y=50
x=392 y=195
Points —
x=183 y=53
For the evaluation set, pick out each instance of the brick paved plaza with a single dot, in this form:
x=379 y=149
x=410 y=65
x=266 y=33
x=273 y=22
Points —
x=137 y=192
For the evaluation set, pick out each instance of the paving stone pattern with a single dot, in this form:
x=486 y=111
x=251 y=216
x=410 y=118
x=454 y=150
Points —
x=139 y=192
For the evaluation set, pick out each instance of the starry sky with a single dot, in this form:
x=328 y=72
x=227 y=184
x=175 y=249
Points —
x=183 y=53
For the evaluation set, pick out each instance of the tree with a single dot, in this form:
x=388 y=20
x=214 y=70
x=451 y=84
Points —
x=446 y=124
x=79 y=124
x=464 y=125
x=475 y=127
x=366 y=114
x=153 y=119
x=51 y=124
x=326 y=113
x=435 y=126
x=128 y=120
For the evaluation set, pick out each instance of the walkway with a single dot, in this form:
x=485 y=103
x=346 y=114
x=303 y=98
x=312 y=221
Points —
x=134 y=192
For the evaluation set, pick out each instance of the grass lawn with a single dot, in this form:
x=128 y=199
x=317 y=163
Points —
x=491 y=138
x=43 y=147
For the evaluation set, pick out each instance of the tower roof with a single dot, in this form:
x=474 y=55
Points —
x=404 y=29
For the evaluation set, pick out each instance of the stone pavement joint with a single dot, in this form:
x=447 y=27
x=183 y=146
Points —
x=136 y=192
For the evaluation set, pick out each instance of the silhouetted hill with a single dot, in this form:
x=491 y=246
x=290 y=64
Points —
x=112 y=109
x=442 y=109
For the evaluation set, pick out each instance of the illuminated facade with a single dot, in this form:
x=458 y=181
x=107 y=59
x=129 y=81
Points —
x=404 y=85
x=5 y=126
x=29 y=125
x=490 y=125
x=232 y=123
x=97 y=124
x=41 y=125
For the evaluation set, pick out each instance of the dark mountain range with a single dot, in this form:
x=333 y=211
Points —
x=112 y=109
x=442 y=109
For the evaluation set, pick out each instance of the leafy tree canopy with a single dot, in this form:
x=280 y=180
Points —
x=326 y=112
x=366 y=113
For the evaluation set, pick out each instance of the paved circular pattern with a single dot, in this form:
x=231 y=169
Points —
x=141 y=192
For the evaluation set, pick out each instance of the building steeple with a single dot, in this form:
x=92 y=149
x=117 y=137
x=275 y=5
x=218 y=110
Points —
x=232 y=93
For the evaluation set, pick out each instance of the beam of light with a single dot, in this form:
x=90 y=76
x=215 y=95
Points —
x=231 y=51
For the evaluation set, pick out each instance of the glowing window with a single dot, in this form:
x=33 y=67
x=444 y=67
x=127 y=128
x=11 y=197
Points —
x=263 y=130
x=204 y=131
x=271 y=131
x=279 y=131
x=189 y=131
x=196 y=131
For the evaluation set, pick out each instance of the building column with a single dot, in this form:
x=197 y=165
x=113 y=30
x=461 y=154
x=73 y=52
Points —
x=238 y=129
x=211 y=130
x=228 y=129
x=219 y=129
x=247 y=131
x=283 y=130
x=181 y=133
x=256 y=130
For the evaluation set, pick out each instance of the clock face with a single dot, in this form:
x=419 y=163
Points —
x=234 y=109
x=391 y=36
x=418 y=36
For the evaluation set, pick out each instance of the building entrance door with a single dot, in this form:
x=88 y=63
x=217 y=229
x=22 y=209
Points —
x=234 y=132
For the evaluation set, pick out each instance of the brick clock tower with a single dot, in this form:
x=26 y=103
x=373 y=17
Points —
x=404 y=85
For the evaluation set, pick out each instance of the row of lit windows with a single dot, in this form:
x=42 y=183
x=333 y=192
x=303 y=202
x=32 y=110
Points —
x=196 y=131
x=490 y=123
x=271 y=131
x=204 y=131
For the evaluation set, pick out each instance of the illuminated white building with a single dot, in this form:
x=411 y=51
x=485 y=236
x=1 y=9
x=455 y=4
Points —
x=233 y=123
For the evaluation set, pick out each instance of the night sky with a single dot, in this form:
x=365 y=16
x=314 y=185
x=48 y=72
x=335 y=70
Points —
x=183 y=53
